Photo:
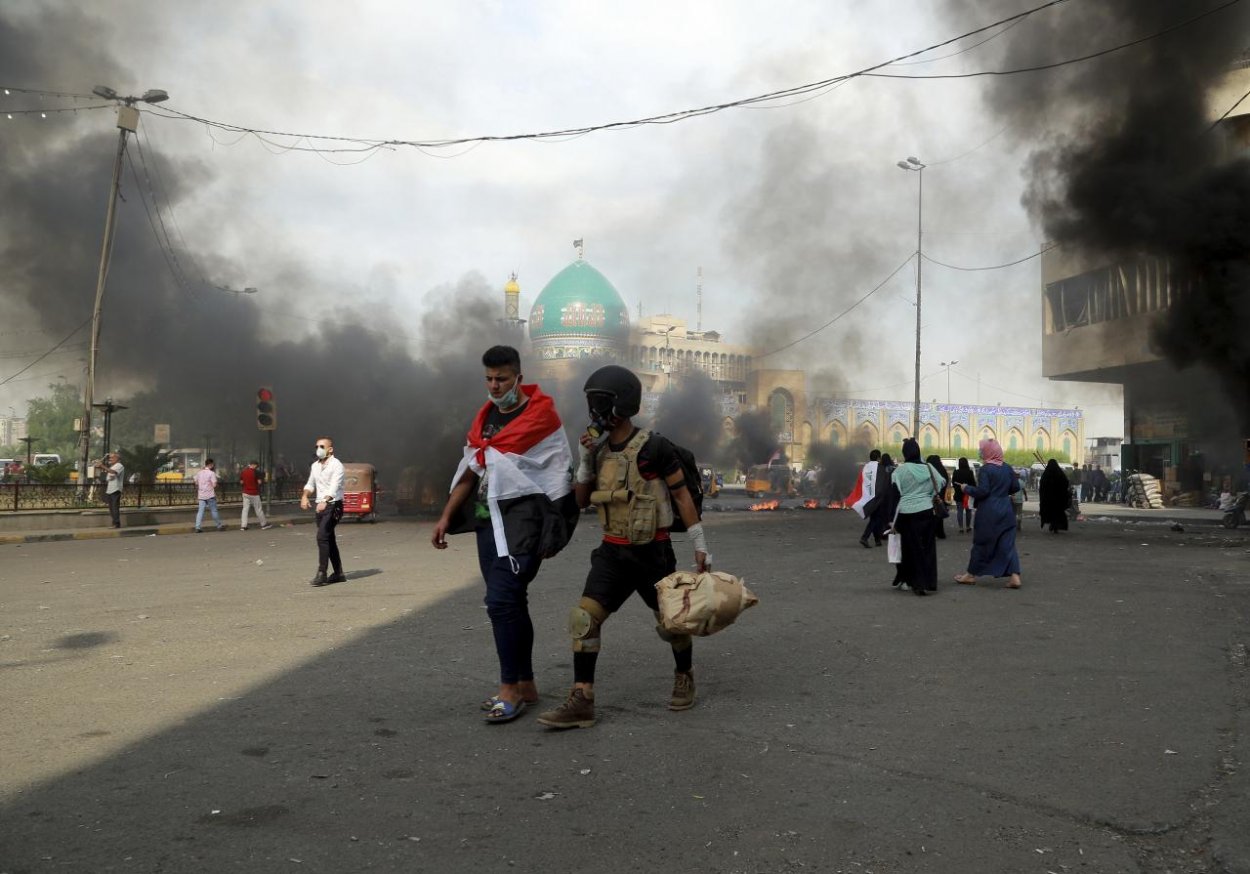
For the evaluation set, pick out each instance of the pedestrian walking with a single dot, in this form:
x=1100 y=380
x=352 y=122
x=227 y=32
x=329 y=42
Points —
x=886 y=500
x=918 y=484
x=634 y=478
x=963 y=504
x=1054 y=497
x=325 y=485
x=116 y=476
x=206 y=494
x=863 y=499
x=939 y=524
x=514 y=489
x=1018 y=498
x=994 y=532
x=250 y=480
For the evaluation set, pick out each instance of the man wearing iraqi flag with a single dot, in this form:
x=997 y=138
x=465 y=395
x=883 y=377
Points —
x=514 y=489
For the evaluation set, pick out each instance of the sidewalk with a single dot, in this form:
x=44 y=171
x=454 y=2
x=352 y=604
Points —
x=181 y=527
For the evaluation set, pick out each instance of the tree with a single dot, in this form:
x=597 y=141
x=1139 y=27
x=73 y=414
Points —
x=49 y=474
x=144 y=460
x=50 y=420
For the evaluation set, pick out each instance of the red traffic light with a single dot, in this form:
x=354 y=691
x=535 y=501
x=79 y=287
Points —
x=264 y=394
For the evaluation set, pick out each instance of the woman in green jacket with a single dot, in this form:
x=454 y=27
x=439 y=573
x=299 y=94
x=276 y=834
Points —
x=917 y=484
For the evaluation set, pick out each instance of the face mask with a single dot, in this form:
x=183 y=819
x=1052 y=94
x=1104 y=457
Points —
x=321 y=453
x=509 y=399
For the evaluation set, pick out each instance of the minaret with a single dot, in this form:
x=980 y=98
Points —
x=512 y=321
x=698 y=324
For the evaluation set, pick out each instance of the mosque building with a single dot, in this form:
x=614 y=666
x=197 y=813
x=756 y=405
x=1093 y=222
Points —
x=579 y=320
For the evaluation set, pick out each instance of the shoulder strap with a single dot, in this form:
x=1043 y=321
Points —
x=635 y=444
x=932 y=478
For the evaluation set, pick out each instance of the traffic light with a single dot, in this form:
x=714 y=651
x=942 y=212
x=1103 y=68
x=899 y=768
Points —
x=266 y=409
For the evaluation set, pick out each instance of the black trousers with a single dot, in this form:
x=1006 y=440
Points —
x=114 y=501
x=327 y=546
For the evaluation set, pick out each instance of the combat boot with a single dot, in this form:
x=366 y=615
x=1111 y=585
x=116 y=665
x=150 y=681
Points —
x=578 y=711
x=683 y=691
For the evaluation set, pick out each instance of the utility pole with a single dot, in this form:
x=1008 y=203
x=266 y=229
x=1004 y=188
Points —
x=915 y=165
x=127 y=123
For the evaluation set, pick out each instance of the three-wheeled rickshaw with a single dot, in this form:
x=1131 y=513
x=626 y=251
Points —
x=360 y=491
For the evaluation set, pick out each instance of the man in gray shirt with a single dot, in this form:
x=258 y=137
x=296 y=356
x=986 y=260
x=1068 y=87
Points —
x=113 y=491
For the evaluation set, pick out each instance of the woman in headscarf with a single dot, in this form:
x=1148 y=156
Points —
x=917 y=484
x=1054 y=497
x=886 y=497
x=994 y=533
x=963 y=504
x=935 y=462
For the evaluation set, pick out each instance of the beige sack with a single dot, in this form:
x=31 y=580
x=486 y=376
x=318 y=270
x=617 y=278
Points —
x=701 y=604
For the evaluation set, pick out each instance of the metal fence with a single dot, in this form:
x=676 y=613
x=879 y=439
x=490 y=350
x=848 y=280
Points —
x=68 y=496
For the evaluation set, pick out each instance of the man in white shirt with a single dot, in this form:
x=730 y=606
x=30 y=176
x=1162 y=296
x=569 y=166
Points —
x=113 y=491
x=325 y=485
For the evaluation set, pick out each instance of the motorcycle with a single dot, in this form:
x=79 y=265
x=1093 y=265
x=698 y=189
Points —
x=1236 y=515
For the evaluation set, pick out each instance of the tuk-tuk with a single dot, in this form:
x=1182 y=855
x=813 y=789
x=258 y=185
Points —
x=360 y=491
x=769 y=479
x=711 y=480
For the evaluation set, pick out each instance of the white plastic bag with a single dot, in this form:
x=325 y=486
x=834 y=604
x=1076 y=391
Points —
x=894 y=548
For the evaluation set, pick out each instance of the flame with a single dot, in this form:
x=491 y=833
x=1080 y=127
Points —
x=835 y=505
x=811 y=504
x=766 y=505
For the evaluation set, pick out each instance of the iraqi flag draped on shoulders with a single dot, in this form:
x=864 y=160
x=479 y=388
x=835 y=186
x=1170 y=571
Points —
x=862 y=499
x=528 y=459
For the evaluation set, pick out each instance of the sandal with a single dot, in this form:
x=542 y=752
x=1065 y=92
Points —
x=505 y=711
x=490 y=702
x=966 y=579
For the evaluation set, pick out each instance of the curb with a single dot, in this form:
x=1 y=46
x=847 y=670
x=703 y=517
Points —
x=139 y=531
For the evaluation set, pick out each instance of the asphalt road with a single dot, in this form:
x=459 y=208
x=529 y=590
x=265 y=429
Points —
x=189 y=703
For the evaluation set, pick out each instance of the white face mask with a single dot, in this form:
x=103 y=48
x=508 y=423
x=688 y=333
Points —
x=321 y=453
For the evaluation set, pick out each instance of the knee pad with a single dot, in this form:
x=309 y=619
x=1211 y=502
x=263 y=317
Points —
x=679 y=642
x=584 y=622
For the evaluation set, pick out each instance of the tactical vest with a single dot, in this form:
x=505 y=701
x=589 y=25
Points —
x=631 y=509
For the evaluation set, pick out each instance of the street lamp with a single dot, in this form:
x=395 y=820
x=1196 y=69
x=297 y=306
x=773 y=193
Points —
x=915 y=164
x=948 y=365
x=127 y=123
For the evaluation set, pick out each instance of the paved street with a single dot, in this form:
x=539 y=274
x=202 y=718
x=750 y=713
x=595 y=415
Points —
x=188 y=703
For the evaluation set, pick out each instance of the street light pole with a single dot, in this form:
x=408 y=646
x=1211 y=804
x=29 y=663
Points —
x=127 y=123
x=948 y=365
x=915 y=164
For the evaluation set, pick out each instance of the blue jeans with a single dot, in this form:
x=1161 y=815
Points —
x=211 y=503
x=507 y=605
x=961 y=513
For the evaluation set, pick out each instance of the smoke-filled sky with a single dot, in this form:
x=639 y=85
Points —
x=793 y=211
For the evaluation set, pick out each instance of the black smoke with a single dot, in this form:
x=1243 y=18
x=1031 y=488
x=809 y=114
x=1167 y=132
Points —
x=1127 y=162
x=755 y=440
x=689 y=415
x=187 y=354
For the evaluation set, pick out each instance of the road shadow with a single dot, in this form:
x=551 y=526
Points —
x=833 y=728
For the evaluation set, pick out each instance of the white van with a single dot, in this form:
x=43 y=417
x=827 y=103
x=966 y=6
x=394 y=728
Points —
x=43 y=459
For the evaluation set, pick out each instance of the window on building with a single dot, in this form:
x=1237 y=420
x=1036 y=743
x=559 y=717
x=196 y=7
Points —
x=958 y=442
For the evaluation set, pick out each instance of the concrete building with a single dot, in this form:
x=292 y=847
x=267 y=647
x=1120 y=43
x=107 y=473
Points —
x=1097 y=319
x=12 y=429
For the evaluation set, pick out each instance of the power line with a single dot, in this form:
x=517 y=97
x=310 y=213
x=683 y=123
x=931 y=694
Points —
x=64 y=340
x=1055 y=64
x=806 y=336
x=992 y=266
x=664 y=118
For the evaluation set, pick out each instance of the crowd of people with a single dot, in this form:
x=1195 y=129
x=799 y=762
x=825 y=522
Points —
x=910 y=502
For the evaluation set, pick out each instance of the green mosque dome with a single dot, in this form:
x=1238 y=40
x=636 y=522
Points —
x=579 y=307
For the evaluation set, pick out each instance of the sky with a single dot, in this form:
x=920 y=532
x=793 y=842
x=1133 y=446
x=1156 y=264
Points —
x=794 y=210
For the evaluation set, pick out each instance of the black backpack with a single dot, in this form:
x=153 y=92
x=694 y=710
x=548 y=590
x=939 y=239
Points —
x=694 y=485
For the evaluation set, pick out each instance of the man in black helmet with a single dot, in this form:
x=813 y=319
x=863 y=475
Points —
x=628 y=475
